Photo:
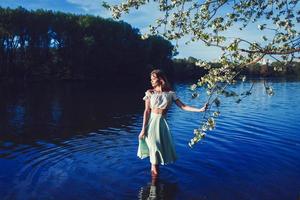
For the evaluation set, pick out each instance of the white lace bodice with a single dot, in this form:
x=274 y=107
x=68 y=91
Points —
x=161 y=100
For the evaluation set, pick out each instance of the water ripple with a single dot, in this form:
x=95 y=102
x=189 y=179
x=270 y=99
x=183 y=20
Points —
x=253 y=153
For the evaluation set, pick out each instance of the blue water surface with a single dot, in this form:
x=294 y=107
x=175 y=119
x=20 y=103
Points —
x=80 y=142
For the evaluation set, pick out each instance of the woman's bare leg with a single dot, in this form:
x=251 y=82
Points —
x=154 y=169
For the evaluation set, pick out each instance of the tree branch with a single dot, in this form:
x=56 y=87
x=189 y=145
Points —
x=272 y=52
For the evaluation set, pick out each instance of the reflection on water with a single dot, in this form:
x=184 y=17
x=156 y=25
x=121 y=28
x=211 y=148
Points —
x=49 y=111
x=79 y=141
x=158 y=190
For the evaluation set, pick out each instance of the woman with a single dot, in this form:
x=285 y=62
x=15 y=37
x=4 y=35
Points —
x=155 y=139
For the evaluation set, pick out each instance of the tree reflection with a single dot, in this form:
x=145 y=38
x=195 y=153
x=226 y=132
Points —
x=59 y=111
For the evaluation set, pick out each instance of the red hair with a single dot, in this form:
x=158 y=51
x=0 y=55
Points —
x=162 y=77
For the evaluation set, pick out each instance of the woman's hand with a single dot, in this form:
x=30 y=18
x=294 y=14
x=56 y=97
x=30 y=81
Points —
x=204 y=108
x=142 y=135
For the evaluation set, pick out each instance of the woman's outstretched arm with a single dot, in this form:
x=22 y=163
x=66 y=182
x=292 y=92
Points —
x=147 y=112
x=181 y=105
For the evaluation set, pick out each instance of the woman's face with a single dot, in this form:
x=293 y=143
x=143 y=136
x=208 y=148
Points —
x=154 y=80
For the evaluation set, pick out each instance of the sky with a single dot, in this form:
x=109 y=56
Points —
x=137 y=18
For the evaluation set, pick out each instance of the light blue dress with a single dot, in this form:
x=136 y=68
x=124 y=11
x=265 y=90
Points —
x=158 y=142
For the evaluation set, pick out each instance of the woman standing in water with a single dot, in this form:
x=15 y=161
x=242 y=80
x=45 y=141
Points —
x=155 y=139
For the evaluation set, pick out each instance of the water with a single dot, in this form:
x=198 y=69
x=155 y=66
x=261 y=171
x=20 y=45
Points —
x=77 y=141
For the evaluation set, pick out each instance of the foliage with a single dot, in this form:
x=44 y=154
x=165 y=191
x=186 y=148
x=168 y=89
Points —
x=209 y=20
x=42 y=44
x=183 y=69
x=187 y=69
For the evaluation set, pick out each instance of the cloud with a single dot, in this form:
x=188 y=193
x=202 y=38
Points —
x=88 y=6
x=60 y=5
x=140 y=18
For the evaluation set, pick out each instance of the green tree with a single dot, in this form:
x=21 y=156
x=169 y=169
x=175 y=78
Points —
x=39 y=45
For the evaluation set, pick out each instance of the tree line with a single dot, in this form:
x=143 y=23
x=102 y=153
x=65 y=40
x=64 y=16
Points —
x=186 y=68
x=47 y=45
